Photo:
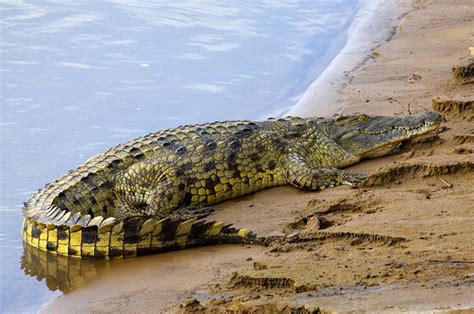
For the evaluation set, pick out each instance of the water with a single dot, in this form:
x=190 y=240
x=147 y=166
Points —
x=78 y=77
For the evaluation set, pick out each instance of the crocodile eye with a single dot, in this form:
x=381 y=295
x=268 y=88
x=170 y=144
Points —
x=362 y=117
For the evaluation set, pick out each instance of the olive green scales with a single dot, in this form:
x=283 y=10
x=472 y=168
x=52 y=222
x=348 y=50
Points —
x=150 y=194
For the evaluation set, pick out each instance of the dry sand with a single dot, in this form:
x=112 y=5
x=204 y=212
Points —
x=401 y=242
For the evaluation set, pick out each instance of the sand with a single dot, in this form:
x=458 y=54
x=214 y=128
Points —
x=400 y=242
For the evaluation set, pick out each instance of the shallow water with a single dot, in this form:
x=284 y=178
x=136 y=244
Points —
x=79 y=77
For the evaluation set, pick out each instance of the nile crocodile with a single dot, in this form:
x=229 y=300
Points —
x=150 y=194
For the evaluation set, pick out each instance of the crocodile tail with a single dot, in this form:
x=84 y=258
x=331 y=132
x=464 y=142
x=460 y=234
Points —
x=66 y=274
x=117 y=238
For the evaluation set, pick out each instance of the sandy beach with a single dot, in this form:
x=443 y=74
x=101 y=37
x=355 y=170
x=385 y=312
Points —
x=402 y=241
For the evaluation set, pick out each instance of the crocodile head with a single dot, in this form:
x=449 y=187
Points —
x=369 y=137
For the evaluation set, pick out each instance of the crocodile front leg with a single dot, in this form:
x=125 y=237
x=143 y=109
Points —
x=150 y=188
x=299 y=173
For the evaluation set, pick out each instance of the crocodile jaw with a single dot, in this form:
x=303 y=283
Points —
x=395 y=141
x=370 y=137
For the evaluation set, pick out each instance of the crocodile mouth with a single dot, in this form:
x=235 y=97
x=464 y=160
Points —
x=396 y=134
x=425 y=127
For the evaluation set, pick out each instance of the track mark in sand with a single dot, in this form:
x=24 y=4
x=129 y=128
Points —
x=463 y=139
x=422 y=169
x=354 y=238
x=244 y=281
x=314 y=222
x=257 y=283
x=424 y=141
x=356 y=203
x=306 y=241
x=454 y=108
x=324 y=214
x=464 y=73
x=464 y=149
x=240 y=305
x=305 y=232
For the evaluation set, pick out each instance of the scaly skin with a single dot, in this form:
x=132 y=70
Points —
x=147 y=195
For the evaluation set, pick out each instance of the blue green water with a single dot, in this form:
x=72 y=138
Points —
x=78 y=77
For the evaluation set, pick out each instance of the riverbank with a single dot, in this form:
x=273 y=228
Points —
x=420 y=208
x=374 y=24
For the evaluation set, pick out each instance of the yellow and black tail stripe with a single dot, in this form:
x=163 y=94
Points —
x=81 y=236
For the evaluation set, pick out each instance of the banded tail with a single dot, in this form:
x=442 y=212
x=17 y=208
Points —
x=118 y=238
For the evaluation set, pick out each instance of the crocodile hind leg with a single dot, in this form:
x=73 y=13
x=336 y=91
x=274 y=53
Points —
x=299 y=173
x=149 y=188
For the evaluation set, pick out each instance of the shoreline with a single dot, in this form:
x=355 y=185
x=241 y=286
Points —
x=336 y=274
x=370 y=28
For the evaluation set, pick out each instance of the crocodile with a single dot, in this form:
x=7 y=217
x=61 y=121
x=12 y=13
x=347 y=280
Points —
x=152 y=194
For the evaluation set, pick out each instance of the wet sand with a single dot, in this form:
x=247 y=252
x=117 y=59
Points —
x=401 y=242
